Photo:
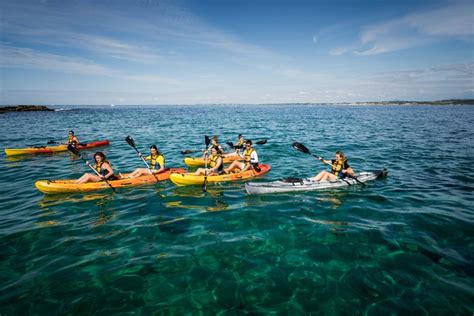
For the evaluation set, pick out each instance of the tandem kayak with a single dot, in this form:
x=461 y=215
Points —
x=201 y=162
x=51 y=149
x=68 y=186
x=191 y=179
x=307 y=184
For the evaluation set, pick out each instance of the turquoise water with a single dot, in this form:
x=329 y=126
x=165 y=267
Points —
x=400 y=245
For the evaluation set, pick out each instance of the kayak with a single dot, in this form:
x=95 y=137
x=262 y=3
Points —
x=51 y=149
x=307 y=184
x=68 y=186
x=201 y=162
x=191 y=179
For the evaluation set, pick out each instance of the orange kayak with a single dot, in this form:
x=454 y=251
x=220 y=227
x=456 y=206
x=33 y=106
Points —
x=51 y=149
x=68 y=186
x=201 y=162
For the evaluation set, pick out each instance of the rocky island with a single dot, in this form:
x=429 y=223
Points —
x=24 y=108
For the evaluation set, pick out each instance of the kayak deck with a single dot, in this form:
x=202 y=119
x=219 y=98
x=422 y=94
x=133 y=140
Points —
x=191 y=179
x=68 y=185
x=51 y=149
x=307 y=184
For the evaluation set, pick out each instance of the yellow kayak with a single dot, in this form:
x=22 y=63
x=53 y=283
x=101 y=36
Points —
x=191 y=179
x=68 y=186
x=201 y=162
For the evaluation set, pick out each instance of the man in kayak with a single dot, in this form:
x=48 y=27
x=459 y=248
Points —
x=250 y=158
x=340 y=169
x=215 y=162
x=238 y=146
x=157 y=163
x=102 y=166
x=72 y=139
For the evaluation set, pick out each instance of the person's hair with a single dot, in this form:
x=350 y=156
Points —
x=248 y=141
x=240 y=135
x=215 y=138
x=340 y=153
x=218 y=150
x=101 y=154
x=71 y=132
x=155 y=148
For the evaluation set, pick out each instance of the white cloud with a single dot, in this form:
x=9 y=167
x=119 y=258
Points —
x=416 y=29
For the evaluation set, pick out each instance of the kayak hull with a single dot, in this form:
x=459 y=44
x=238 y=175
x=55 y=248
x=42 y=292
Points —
x=68 y=186
x=305 y=184
x=51 y=149
x=191 y=179
x=201 y=162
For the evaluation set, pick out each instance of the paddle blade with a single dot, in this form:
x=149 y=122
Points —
x=51 y=142
x=74 y=150
x=187 y=151
x=230 y=144
x=301 y=147
x=261 y=142
x=207 y=140
x=130 y=141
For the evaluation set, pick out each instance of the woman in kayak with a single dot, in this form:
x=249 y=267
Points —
x=157 y=163
x=215 y=164
x=72 y=139
x=214 y=144
x=340 y=169
x=102 y=166
x=250 y=158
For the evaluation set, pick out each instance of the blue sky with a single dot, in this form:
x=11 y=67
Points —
x=261 y=51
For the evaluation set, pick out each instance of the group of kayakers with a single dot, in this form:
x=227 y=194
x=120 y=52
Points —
x=214 y=156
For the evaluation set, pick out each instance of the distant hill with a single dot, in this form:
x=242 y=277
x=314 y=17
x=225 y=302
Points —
x=439 y=102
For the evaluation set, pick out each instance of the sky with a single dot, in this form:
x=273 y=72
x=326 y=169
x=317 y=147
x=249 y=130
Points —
x=234 y=51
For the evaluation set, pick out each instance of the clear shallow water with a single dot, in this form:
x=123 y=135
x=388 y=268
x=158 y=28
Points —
x=403 y=244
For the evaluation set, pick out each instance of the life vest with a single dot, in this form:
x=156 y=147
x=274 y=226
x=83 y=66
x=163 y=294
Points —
x=70 y=140
x=247 y=154
x=240 y=143
x=100 y=170
x=337 y=166
x=158 y=159
x=213 y=162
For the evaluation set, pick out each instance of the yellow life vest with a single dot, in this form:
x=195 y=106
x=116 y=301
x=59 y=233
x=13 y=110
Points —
x=213 y=160
x=337 y=166
x=100 y=170
x=247 y=154
x=70 y=140
x=240 y=143
x=158 y=159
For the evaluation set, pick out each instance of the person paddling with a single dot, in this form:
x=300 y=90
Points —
x=340 y=169
x=238 y=146
x=250 y=159
x=157 y=163
x=214 y=144
x=215 y=162
x=102 y=166
x=72 y=139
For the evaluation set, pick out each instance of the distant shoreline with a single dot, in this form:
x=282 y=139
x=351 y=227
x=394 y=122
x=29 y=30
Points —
x=29 y=108
x=24 y=108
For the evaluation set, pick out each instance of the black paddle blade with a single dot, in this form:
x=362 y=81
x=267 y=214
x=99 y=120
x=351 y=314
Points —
x=51 y=142
x=74 y=150
x=130 y=141
x=261 y=142
x=187 y=151
x=230 y=144
x=301 y=147
x=207 y=140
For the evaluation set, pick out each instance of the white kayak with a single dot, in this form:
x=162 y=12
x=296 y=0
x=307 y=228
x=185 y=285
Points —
x=308 y=184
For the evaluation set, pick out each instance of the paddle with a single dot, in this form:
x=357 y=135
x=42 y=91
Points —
x=76 y=152
x=131 y=142
x=207 y=140
x=304 y=149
